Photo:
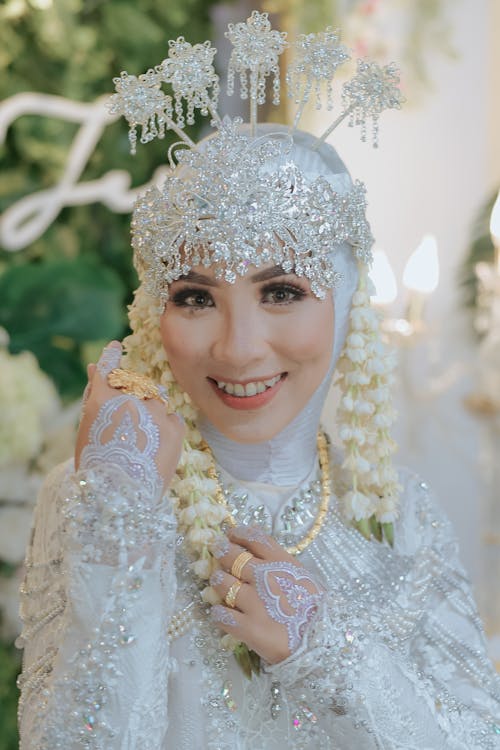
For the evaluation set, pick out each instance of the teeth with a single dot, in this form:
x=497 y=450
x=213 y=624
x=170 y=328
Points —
x=250 y=389
x=272 y=382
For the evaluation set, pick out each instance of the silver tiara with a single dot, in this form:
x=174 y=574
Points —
x=237 y=198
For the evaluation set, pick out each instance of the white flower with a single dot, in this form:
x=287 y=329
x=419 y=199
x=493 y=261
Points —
x=210 y=595
x=357 y=378
x=348 y=403
x=18 y=486
x=375 y=366
x=356 y=464
x=357 y=505
x=345 y=432
x=355 y=340
x=378 y=395
x=216 y=514
x=202 y=568
x=387 y=510
x=198 y=536
x=15 y=525
x=27 y=399
x=187 y=515
x=363 y=407
x=199 y=460
x=229 y=642
x=360 y=298
x=356 y=355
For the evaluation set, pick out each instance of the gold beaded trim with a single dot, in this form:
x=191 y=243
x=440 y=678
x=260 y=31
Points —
x=324 y=462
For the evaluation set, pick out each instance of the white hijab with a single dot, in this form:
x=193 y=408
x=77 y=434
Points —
x=288 y=458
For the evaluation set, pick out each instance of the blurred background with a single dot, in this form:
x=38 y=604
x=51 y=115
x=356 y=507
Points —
x=67 y=184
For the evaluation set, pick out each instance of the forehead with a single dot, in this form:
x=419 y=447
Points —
x=254 y=274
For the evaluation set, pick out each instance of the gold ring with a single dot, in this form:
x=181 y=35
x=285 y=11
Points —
x=240 y=562
x=135 y=384
x=230 y=598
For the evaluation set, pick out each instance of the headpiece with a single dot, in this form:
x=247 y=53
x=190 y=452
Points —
x=238 y=198
x=250 y=194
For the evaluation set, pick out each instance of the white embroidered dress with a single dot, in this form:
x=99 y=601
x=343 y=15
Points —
x=394 y=658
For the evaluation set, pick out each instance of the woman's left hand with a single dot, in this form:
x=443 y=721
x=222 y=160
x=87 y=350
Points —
x=276 y=596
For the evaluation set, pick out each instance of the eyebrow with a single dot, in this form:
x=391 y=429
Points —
x=265 y=275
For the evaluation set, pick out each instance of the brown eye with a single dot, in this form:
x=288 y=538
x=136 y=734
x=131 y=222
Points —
x=196 y=298
x=282 y=294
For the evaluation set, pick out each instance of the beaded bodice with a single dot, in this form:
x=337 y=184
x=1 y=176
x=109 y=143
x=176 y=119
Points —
x=124 y=656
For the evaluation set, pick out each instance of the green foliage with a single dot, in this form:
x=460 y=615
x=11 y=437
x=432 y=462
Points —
x=65 y=294
x=480 y=249
x=53 y=307
x=10 y=666
x=71 y=285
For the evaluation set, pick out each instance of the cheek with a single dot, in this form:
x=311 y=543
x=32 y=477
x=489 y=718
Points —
x=180 y=347
x=313 y=335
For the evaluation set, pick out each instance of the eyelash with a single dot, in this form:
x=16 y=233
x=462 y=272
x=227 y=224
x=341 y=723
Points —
x=182 y=297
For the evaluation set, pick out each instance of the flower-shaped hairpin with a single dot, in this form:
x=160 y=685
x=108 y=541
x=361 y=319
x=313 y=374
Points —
x=372 y=90
x=189 y=69
x=190 y=72
x=316 y=59
x=256 y=48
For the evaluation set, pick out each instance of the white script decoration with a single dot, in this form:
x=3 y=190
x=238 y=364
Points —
x=27 y=219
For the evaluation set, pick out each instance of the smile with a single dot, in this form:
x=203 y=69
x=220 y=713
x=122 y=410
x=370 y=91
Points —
x=253 y=394
x=243 y=390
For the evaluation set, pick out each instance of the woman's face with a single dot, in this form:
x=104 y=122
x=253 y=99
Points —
x=249 y=354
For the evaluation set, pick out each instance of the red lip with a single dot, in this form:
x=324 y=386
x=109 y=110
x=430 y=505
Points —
x=247 y=403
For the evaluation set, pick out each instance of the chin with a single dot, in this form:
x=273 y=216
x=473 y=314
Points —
x=249 y=433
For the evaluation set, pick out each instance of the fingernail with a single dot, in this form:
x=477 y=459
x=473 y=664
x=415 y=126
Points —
x=220 y=546
x=110 y=358
x=223 y=615
x=251 y=534
x=217 y=577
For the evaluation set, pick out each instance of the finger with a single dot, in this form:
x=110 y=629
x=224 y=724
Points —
x=86 y=394
x=222 y=582
x=258 y=543
x=228 y=554
x=90 y=371
x=110 y=358
x=229 y=620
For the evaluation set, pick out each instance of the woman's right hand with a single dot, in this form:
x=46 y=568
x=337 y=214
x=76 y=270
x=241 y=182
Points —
x=170 y=427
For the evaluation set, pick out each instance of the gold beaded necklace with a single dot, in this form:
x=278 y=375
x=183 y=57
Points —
x=324 y=462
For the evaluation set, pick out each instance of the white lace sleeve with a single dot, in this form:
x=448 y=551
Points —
x=97 y=598
x=403 y=672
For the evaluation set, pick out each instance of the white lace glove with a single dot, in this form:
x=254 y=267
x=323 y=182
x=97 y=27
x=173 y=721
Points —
x=127 y=450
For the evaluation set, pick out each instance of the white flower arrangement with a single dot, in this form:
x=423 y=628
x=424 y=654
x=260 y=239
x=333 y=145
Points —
x=365 y=416
x=27 y=399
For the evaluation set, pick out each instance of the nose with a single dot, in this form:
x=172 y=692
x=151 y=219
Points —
x=241 y=337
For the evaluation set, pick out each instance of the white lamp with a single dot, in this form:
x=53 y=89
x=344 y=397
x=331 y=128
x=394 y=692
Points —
x=421 y=272
x=421 y=277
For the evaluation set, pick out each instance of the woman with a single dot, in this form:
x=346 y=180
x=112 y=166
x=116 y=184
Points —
x=355 y=625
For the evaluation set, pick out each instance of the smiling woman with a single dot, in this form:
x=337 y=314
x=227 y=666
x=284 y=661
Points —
x=177 y=557
x=264 y=340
